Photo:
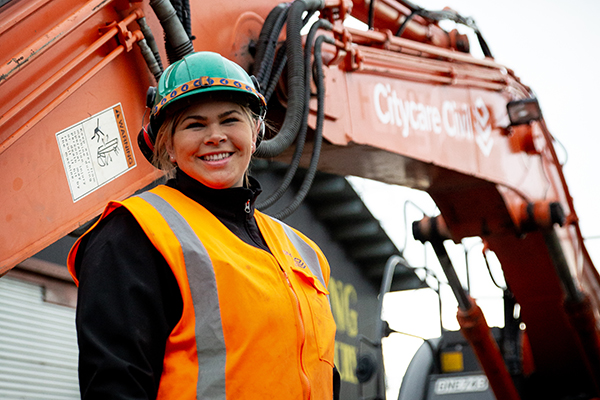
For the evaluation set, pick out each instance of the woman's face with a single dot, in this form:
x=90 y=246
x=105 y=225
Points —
x=213 y=142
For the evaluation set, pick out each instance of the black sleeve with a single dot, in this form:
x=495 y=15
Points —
x=336 y=383
x=128 y=303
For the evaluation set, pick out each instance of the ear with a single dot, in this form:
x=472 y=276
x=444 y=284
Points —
x=258 y=134
x=255 y=134
x=256 y=130
x=170 y=151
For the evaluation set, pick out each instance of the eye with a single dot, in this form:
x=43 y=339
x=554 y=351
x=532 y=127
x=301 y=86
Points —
x=230 y=120
x=193 y=125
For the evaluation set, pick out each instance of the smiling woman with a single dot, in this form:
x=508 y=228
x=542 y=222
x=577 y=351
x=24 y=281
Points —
x=185 y=291
x=212 y=142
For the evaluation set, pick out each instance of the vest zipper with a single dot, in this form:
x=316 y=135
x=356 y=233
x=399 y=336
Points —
x=302 y=331
x=252 y=235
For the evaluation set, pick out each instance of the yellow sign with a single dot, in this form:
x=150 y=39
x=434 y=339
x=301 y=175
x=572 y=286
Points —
x=343 y=298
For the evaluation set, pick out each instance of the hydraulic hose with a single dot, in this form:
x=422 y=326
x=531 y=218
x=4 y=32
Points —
x=265 y=33
x=267 y=45
x=405 y=23
x=444 y=15
x=266 y=63
x=371 y=14
x=484 y=47
x=280 y=63
x=151 y=61
x=183 y=16
x=145 y=28
x=174 y=30
x=300 y=140
x=293 y=117
x=182 y=8
x=318 y=139
x=186 y=21
x=178 y=7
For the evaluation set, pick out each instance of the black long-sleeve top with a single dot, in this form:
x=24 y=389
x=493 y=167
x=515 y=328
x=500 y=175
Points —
x=129 y=300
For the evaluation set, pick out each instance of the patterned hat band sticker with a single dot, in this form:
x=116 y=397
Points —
x=205 y=82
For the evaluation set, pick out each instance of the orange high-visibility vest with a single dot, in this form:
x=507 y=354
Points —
x=254 y=325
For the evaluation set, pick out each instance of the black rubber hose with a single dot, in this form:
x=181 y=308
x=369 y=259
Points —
x=320 y=24
x=187 y=21
x=147 y=32
x=410 y=5
x=371 y=14
x=318 y=139
x=178 y=7
x=280 y=63
x=484 y=47
x=265 y=33
x=174 y=31
x=266 y=64
x=169 y=49
x=301 y=138
x=293 y=117
x=446 y=15
x=404 y=24
x=150 y=59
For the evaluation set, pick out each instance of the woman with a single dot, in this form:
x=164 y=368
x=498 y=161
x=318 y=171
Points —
x=187 y=292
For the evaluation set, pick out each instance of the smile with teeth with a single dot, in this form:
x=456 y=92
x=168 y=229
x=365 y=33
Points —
x=215 y=157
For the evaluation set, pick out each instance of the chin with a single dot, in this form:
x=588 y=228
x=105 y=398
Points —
x=216 y=182
x=220 y=184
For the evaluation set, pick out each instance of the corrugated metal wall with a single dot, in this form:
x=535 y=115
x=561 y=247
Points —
x=38 y=345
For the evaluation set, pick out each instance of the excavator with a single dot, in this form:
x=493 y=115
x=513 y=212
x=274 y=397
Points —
x=402 y=102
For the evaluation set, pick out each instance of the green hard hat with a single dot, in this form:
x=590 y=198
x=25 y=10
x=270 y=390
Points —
x=200 y=73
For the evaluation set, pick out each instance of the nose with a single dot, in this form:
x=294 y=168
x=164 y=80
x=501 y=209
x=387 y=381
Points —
x=214 y=135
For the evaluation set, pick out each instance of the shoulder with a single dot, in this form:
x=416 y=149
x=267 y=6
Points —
x=114 y=226
x=112 y=236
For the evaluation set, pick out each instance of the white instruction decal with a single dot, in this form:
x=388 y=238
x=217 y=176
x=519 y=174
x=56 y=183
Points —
x=95 y=151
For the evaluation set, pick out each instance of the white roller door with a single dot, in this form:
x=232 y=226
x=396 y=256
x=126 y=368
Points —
x=38 y=345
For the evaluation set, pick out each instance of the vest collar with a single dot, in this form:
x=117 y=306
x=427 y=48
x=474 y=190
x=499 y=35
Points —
x=222 y=203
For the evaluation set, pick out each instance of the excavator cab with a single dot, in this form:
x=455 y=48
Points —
x=446 y=368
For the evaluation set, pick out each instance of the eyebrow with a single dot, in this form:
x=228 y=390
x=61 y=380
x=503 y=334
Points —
x=203 y=118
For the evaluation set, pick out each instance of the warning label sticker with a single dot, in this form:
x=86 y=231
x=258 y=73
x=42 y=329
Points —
x=95 y=151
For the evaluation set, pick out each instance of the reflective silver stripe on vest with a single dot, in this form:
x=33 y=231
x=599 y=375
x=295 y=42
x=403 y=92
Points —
x=210 y=341
x=307 y=253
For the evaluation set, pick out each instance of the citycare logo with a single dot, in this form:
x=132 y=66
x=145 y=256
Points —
x=460 y=121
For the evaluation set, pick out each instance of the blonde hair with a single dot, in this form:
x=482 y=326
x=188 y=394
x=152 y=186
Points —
x=161 y=158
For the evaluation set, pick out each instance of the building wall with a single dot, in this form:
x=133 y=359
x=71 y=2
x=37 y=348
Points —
x=38 y=344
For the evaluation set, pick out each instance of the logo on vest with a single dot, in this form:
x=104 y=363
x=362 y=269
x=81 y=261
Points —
x=297 y=261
